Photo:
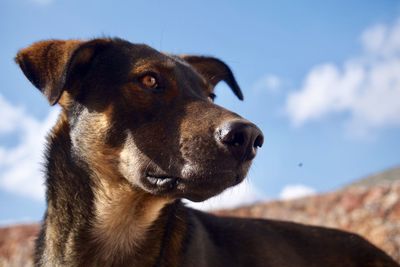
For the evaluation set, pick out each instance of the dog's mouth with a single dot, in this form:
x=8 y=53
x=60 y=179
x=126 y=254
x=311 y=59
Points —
x=197 y=188
x=162 y=181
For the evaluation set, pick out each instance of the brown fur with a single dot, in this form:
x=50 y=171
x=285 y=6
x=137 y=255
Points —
x=122 y=155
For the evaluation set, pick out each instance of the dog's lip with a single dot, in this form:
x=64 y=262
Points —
x=196 y=185
x=162 y=180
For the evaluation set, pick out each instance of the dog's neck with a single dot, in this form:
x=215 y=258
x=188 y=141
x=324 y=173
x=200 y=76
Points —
x=122 y=219
x=105 y=222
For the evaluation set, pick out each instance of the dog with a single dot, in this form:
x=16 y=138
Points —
x=138 y=132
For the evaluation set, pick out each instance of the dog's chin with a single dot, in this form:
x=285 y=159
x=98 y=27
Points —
x=204 y=189
x=194 y=188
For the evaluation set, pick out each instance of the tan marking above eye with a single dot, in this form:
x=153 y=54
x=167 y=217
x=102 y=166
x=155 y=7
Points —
x=149 y=81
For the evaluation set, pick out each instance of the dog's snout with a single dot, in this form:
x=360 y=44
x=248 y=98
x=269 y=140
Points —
x=241 y=138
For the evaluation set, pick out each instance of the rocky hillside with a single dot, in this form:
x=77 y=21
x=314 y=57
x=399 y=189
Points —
x=369 y=207
x=386 y=177
x=16 y=245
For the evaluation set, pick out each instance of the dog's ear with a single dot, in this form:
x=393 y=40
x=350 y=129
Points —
x=214 y=71
x=51 y=65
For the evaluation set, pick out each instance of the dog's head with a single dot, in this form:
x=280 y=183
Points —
x=144 y=116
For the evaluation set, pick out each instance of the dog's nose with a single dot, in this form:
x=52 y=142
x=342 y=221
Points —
x=241 y=138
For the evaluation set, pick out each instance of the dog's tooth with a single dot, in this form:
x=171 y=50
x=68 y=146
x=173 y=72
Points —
x=164 y=181
x=152 y=180
x=161 y=181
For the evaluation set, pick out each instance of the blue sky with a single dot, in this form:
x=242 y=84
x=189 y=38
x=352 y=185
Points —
x=319 y=78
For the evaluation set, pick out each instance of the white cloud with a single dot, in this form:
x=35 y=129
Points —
x=296 y=191
x=10 y=116
x=364 y=88
x=20 y=168
x=269 y=83
x=242 y=194
x=382 y=40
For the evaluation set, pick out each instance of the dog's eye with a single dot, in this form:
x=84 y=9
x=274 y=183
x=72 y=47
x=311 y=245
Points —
x=212 y=96
x=149 y=81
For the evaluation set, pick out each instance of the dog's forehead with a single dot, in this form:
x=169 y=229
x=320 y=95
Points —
x=125 y=59
x=143 y=56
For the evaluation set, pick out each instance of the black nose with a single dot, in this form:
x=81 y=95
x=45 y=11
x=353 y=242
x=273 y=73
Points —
x=241 y=138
